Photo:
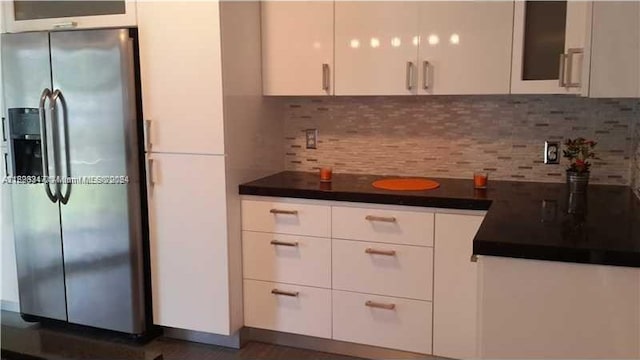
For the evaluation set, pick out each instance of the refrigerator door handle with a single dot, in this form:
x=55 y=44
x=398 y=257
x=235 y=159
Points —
x=46 y=94
x=64 y=198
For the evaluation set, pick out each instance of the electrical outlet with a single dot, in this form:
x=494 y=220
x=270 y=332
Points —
x=312 y=138
x=551 y=152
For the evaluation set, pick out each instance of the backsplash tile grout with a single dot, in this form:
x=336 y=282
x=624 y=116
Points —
x=453 y=136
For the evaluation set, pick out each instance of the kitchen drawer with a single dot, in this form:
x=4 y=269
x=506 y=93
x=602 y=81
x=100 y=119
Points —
x=383 y=225
x=384 y=269
x=289 y=259
x=305 y=311
x=286 y=218
x=406 y=326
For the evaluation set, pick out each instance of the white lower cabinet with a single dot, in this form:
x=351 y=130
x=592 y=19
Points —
x=289 y=259
x=288 y=308
x=385 y=269
x=455 y=295
x=389 y=322
x=188 y=242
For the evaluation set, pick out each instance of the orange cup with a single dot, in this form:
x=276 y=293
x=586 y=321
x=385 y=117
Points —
x=325 y=174
x=480 y=180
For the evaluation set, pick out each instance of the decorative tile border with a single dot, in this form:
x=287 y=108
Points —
x=453 y=136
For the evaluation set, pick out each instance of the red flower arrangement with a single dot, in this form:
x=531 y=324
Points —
x=579 y=151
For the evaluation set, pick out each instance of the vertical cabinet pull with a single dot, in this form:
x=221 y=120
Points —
x=326 y=80
x=425 y=74
x=409 y=75
x=561 y=73
x=569 y=58
x=147 y=135
x=152 y=180
x=4 y=134
x=6 y=164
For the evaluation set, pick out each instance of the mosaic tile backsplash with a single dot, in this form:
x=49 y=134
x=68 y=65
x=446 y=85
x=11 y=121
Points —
x=453 y=136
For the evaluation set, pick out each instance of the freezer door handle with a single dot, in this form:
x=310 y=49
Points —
x=46 y=94
x=58 y=96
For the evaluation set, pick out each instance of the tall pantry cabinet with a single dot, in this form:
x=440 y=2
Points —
x=192 y=174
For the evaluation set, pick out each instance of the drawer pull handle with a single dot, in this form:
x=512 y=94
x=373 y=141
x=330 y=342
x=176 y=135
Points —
x=474 y=258
x=284 y=293
x=389 y=219
x=283 y=212
x=377 y=305
x=284 y=243
x=380 y=252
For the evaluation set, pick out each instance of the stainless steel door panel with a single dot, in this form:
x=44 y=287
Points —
x=26 y=72
x=36 y=228
x=100 y=223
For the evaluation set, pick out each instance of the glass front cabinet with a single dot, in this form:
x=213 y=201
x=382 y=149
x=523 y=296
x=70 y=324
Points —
x=548 y=47
x=26 y=15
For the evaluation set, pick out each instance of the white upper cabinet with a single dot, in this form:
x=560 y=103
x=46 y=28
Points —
x=615 y=50
x=297 y=47
x=465 y=47
x=181 y=73
x=548 y=47
x=21 y=15
x=376 y=48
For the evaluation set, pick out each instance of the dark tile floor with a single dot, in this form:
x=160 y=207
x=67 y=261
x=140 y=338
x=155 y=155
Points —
x=20 y=340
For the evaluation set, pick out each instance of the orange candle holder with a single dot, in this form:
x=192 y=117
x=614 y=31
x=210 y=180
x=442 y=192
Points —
x=480 y=180
x=326 y=174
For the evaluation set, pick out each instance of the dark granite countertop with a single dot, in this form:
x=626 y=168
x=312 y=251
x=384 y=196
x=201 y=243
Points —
x=524 y=219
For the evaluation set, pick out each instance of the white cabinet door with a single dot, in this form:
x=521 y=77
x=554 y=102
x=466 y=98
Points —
x=455 y=296
x=188 y=242
x=548 y=44
x=21 y=16
x=376 y=48
x=465 y=47
x=181 y=76
x=297 y=47
x=615 y=49
x=552 y=310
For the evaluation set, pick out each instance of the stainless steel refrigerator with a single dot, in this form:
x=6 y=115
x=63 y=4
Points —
x=71 y=108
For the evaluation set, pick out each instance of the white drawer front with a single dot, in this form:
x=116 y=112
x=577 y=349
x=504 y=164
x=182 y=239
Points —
x=383 y=225
x=308 y=313
x=289 y=259
x=286 y=218
x=405 y=327
x=384 y=269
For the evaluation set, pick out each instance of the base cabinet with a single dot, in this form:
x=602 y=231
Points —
x=188 y=242
x=383 y=321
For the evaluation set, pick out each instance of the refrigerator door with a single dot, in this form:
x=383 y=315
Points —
x=26 y=73
x=93 y=79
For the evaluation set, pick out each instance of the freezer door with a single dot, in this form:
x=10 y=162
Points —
x=26 y=73
x=93 y=72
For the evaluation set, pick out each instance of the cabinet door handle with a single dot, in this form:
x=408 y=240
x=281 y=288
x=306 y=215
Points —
x=425 y=74
x=474 y=258
x=409 y=75
x=6 y=164
x=4 y=133
x=378 y=305
x=389 y=219
x=372 y=251
x=569 y=67
x=325 y=77
x=561 y=72
x=283 y=212
x=152 y=180
x=284 y=243
x=147 y=135
x=65 y=25
x=285 y=293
